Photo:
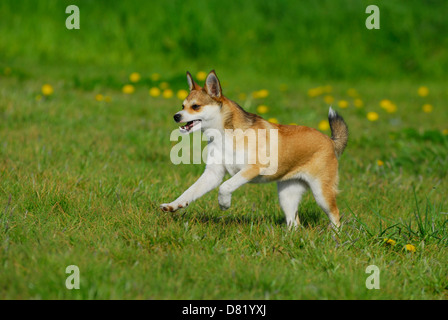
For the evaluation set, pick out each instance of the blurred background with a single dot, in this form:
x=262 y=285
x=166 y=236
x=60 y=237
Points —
x=325 y=40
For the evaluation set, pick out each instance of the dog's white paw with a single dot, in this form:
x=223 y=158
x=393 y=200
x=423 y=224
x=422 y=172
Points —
x=224 y=200
x=173 y=206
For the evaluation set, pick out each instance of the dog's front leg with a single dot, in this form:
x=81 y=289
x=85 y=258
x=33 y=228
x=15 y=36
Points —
x=210 y=179
x=227 y=188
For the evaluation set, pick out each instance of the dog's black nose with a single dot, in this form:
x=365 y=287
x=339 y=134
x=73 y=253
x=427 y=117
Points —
x=177 y=117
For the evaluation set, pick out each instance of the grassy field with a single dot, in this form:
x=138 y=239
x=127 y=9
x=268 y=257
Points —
x=84 y=165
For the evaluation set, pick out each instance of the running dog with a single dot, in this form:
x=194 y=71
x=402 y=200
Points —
x=304 y=157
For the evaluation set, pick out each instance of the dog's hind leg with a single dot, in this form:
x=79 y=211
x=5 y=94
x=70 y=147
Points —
x=290 y=194
x=325 y=194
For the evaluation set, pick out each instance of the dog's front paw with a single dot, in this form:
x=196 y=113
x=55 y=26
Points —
x=224 y=200
x=173 y=206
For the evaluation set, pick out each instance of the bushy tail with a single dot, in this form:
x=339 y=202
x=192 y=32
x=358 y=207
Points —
x=339 y=131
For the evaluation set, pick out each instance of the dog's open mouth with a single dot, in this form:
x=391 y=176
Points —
x=190 y=125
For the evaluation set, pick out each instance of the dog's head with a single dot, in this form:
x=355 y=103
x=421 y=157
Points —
x=202 y=108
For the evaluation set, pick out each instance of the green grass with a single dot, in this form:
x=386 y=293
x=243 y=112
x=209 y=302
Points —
x=81 y=180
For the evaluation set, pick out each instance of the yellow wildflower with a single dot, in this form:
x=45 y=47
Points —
x=343 y=104
x=262 y=109
x=154 y=92
x=168 y=93
x=385 y=103
x=391 y=108
x=47 y=90
x=263 y=93
x=99 y=97
x=201 y=75
x=423 y=91
x=182 y=94
x=380 y=163
x=410 y=247
x=128 y=89
x=314 y=92
x=273 y=120
x=324 y=125
x=445 y=132
x=372 y=116
x=134 y=77
x=390 y=241
x=427 y=108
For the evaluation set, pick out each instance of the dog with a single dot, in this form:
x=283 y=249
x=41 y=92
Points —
x=306 y=158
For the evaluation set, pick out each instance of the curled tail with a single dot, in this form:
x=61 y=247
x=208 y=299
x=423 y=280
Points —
x=339 y=131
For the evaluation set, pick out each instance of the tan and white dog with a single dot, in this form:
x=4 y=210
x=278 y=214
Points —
x=305 y=158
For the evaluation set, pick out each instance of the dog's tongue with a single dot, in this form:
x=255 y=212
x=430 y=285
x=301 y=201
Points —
x=188 y=126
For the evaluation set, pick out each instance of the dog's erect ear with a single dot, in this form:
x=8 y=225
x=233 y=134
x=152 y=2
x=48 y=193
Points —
x=191 y=84
x=212 y=85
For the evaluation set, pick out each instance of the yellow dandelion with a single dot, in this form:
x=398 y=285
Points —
x=134 y=77
x=358 y=103
x=372 y=116
x=164 y=85
x=445 y=132
x=128 y=89
x=273 y=120
x=99 y=97
x=154 y=92
x=293 y=124
x=328 y=99
x=260 y=94
x=47 y=90
x=410 y=248
x=380 y=163
x=314 y=92
x=262 y=109
x=107 y=99
x=352 y=93
x=385 y=103
x=324 y=125
x=182 y=94
x=423 y=91
x=155 y=77
x=427 y=108
x=201 y=75
x=343 y=104
x=390 y=241
x=167 y=93
x=391 y=108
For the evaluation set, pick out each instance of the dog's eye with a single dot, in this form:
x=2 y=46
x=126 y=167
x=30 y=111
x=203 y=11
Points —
x=183 y=107
x=195 y=107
